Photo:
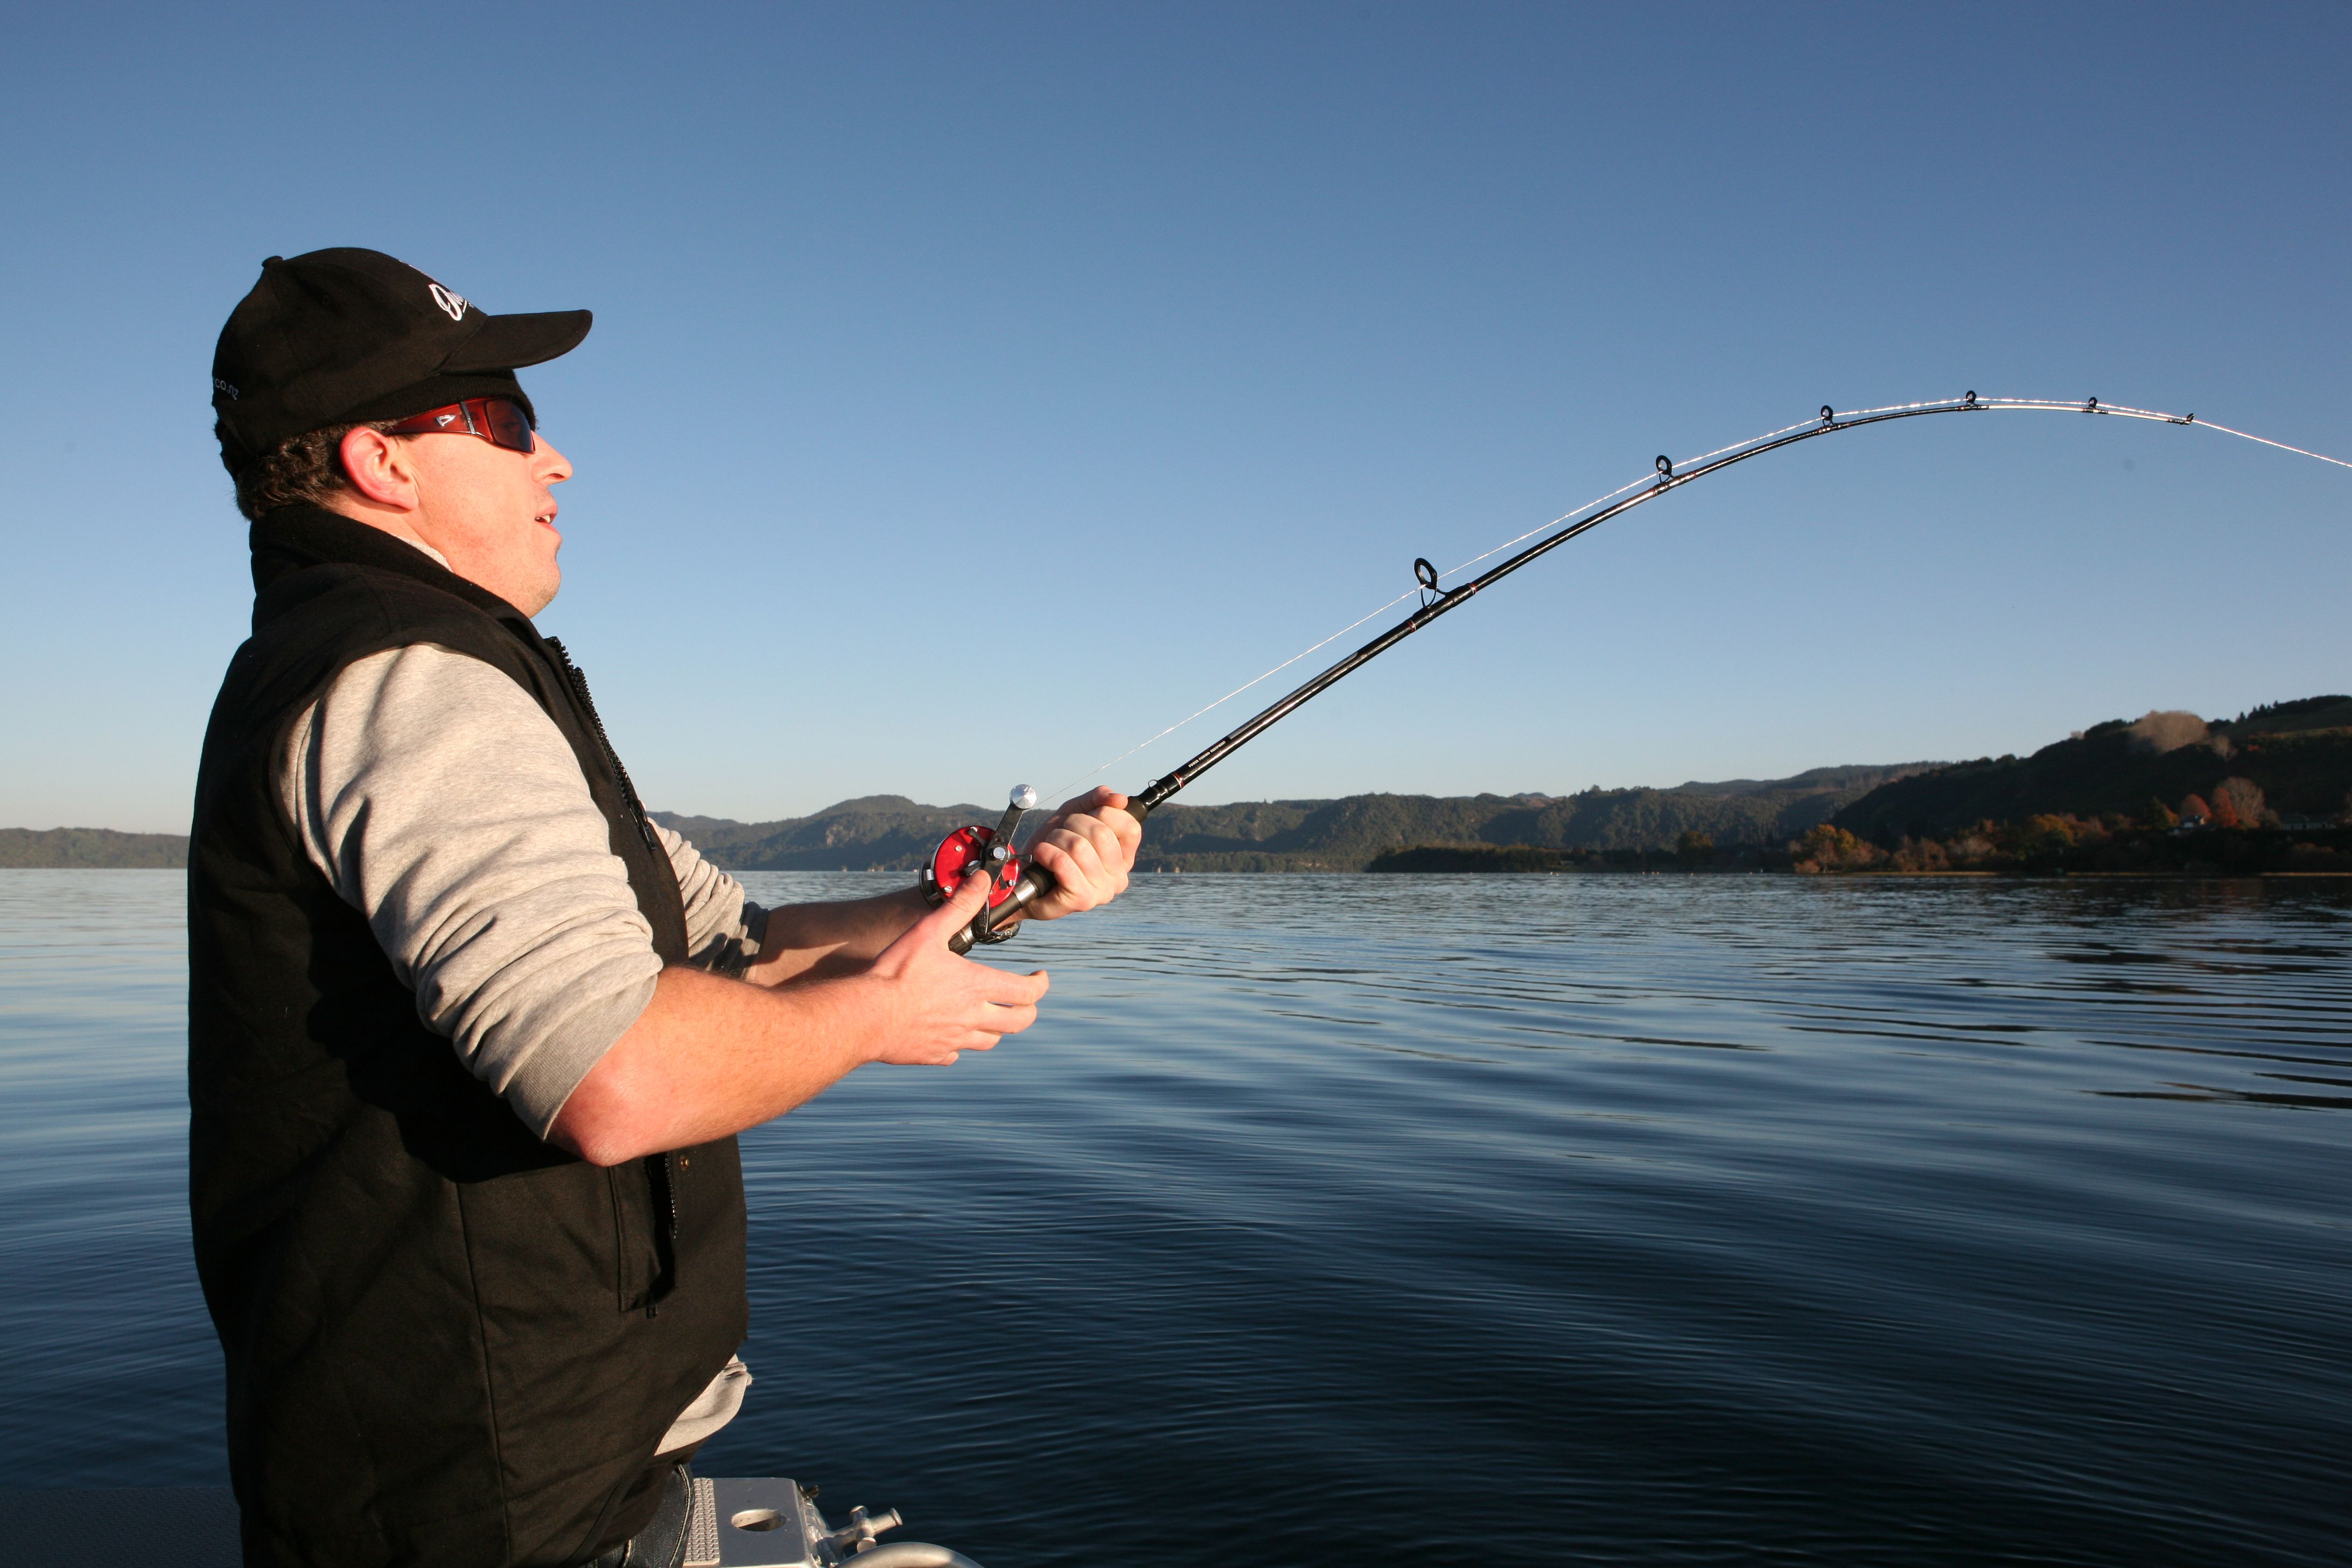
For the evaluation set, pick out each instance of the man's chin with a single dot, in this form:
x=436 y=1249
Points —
x=544 y=588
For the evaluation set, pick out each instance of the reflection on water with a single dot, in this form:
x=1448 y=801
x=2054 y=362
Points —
x=1374 y=1220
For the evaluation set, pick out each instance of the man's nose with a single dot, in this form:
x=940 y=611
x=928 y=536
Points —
x=552 y=464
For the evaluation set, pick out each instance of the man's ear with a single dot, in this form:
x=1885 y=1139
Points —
x=377 y=466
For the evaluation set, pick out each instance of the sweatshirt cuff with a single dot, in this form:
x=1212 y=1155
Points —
x=571 y=1051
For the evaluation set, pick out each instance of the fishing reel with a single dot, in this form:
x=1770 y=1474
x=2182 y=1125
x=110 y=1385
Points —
x=977 y=851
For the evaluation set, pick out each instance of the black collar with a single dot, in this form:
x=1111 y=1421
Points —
x=292 y=538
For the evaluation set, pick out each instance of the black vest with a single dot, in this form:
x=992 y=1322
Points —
x=447 y=1343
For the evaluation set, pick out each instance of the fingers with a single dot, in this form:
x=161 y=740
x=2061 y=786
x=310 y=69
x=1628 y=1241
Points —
x=970 y=1023
x=992 y=1024
x=1077 y=872
x=1094 y=835
x=1104 y=832
x=964 y=903
x=1007 y=1021
x=973 y=892
x=1124 y=824
x=1100 y=796
x=984 y=1036
x=1089 y=859
x=1115 y=830
x=1071 y=856
x=1104 y=803
x=1002 y=988
x=1005 y=1003
x=1089 y=844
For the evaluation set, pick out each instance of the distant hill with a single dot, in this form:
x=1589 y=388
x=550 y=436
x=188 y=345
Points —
x=2298 y=754
x=872 y=833
x=90 y=848
x=893 y=833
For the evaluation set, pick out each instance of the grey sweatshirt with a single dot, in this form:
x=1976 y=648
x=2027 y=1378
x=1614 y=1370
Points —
x=441 y=802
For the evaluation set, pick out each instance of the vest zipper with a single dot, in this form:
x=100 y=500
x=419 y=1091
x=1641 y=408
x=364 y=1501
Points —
x=662 y=1177
x=578 y=680
x=661 y=1174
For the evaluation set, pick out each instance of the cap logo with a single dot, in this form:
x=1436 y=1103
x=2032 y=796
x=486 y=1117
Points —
x=453 y=304
x=220 y=385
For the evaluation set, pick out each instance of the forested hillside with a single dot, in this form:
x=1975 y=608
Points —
x=2289 y=760
x=873 y=832
x=2290 y=763
x=893 y=833
x=90 y=848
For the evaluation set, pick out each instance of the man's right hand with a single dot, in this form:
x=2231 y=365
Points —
x=710 y=1056
x=940 y=1005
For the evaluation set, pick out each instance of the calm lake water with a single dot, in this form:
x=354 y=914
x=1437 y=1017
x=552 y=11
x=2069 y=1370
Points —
x=1433 y=1220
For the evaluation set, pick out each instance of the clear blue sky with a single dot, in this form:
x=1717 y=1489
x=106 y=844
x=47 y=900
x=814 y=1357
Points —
x=975 y=389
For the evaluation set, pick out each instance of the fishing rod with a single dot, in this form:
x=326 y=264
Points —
x=1019 y=884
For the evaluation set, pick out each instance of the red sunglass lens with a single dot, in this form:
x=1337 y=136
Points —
x=510 y=427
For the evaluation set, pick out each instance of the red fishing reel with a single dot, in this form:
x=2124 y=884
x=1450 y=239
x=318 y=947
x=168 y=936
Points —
x=962 y=853
x=977 y=851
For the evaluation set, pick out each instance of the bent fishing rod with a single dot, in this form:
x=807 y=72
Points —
x=1019 y=884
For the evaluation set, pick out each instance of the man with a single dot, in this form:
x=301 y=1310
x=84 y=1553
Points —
x=469 y=1037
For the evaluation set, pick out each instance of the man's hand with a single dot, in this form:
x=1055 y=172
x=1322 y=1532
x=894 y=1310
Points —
x=1089 y=847
x=711 y=1056
x=943 y=1004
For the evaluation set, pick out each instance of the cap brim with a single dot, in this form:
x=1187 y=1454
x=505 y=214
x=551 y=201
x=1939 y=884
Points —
x=510 y=343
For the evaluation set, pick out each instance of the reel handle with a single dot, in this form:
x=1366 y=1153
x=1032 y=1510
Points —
x=1034 y=884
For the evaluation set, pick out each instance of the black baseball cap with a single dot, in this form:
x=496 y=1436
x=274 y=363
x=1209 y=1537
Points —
x=345 y=336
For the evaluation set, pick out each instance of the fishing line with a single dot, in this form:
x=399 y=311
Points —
x=1672 y=475
x=1237 y=690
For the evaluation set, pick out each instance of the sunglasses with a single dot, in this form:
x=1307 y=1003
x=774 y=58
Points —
x=500 y=421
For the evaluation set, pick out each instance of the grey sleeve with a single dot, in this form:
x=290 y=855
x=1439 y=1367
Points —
x=442 y=803
x=722 y=926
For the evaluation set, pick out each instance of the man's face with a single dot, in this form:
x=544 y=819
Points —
x=492 y=512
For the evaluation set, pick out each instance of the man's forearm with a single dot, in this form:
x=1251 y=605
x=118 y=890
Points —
x=710 y=1057
x=818 y=941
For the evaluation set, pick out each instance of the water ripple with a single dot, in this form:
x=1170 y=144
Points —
x=1437 y=1220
